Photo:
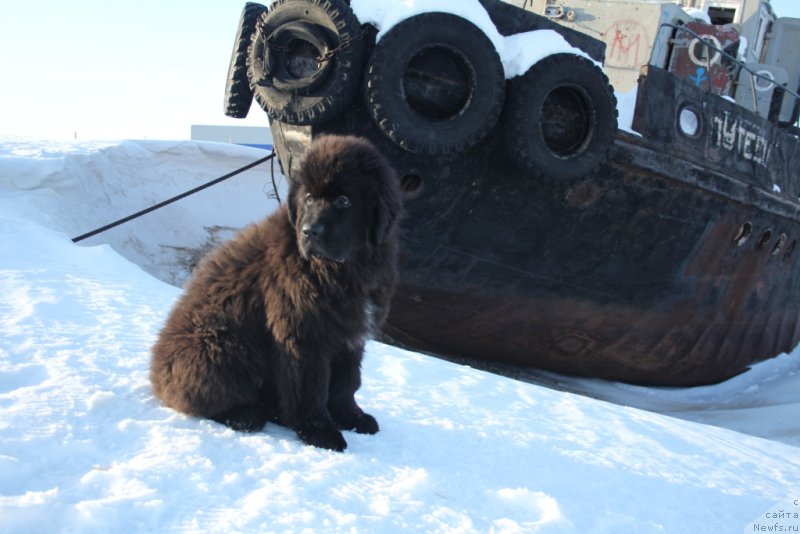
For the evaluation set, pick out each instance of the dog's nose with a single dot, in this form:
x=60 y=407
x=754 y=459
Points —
x=313 y=230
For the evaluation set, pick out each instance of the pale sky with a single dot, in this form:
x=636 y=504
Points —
x=112 y=69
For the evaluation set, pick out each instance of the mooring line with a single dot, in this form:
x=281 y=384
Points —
x=171 y=200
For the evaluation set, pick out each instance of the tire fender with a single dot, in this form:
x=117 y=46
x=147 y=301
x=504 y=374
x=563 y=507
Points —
x=560 y=119
x=306 y=60
x=238 y=93
x=435 y=84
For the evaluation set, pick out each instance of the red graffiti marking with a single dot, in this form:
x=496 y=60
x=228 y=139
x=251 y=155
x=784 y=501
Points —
x=626 y=44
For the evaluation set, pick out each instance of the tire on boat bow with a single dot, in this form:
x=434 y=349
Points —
x=435 y=84
x=238 y=93
x=561 y=117
x=306 y=60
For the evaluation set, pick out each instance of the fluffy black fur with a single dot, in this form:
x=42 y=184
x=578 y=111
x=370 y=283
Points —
x=272 y=324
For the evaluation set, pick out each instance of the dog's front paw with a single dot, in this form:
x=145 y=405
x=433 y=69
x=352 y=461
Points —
x=323 y=437
x=243 y=418
x=366 y=424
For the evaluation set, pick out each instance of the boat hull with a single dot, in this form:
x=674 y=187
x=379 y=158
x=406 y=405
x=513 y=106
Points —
x=672 y=263
x=633 y=273
x=628 y=275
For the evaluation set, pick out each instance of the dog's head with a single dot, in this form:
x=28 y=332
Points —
x=344 y=199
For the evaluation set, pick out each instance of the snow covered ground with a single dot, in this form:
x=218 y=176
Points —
x=84 y=445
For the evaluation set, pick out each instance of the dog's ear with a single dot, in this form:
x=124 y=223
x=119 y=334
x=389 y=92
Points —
x=291 y=202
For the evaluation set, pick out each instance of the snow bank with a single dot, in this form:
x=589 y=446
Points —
x=762 y=402
x=76 y=188
x=84 y=445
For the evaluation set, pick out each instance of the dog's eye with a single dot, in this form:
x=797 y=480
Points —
x=309 y=199
x=343 y=201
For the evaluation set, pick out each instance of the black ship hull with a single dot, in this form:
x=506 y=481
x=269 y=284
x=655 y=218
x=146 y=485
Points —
x=673 y=262
x=641 y=272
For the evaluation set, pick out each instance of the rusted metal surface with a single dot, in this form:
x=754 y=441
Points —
x=703 y=66
x=675 y=263
x=628 y=275
x=730 y=139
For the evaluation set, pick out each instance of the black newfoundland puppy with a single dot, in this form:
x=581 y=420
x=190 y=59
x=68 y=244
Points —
x=272 y=324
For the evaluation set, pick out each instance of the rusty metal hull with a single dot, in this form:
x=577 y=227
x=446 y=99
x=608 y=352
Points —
x=630 y=274
x=655 y=269
x=673 y=263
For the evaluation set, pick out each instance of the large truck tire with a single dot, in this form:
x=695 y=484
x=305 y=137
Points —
x=306 y=60
x=238 y=94
x=435 y=84
x=561 y=117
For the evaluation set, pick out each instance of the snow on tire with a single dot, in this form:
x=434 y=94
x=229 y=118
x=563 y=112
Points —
x=435 y=84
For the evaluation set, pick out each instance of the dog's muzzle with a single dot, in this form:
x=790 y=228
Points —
x=313 y=243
